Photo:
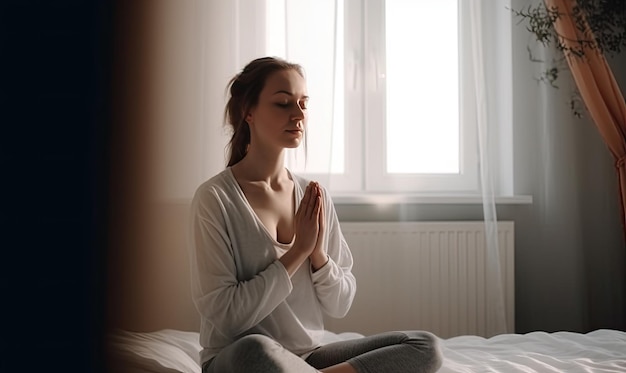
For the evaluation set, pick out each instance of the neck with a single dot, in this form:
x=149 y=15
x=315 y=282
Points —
x=261 y=166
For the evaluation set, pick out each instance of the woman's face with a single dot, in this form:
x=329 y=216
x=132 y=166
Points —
x=279 y=118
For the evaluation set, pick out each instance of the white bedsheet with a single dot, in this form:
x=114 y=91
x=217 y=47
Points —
x=599 y=351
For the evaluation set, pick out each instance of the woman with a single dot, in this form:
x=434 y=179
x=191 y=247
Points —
x=269 y=259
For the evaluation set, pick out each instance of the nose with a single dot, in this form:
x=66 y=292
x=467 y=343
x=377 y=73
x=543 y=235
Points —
x=299 y=113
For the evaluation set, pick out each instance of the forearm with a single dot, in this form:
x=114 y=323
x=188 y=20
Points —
x=293 y=259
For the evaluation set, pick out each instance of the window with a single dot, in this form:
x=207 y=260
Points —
x=390 y=90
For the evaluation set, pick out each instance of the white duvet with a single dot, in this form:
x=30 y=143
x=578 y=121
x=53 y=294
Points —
x=598 y=351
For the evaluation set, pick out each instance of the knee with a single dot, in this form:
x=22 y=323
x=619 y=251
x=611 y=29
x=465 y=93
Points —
x=428 y=346
x=252 y=353
x=253 y=347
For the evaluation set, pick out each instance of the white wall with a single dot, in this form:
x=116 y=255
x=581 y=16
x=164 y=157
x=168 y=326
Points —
x=197 y=47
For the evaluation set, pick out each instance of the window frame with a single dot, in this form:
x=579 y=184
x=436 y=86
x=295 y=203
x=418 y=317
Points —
x=364 y=118
x=371 y=27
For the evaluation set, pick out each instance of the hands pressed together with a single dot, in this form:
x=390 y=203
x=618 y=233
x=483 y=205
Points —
x=310 y=229
x=310 y=226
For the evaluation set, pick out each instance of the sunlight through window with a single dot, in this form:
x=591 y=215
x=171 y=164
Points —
x=422 y=108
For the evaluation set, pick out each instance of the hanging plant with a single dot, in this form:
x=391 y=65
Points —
x=603 y=28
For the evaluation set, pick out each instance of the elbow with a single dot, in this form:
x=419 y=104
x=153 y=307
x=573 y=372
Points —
x=223 y=319
x=226 y=326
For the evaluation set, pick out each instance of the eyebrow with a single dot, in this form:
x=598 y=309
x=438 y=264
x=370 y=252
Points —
x=288 y=93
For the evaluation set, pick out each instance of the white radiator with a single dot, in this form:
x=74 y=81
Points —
x=424 y=275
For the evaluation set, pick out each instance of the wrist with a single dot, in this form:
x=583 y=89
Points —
x=318 y=260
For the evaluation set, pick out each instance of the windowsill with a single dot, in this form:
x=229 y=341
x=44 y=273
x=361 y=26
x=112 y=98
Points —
x=398 y=198
x=423 y=199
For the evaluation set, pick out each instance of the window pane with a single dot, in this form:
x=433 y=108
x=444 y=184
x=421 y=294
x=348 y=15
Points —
x=422 y=94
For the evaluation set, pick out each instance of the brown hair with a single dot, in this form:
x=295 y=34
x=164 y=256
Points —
x=245 y=89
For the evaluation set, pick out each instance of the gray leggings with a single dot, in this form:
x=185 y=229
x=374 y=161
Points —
x=396 y=352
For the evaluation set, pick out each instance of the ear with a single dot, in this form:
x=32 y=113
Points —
x=249 y=118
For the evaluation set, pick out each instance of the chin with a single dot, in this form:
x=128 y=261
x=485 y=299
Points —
x=293 y=144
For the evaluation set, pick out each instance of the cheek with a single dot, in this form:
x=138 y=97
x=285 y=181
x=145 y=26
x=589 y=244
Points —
x=274 y=114
x=269 y=119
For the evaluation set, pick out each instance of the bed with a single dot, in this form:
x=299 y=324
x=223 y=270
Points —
x=603 y=350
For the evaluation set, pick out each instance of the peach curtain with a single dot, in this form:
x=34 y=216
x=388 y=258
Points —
x=599 y=91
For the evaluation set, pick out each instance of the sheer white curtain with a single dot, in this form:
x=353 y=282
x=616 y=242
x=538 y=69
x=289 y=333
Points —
x=307 y=32
x=232 y=34
x=487 y=119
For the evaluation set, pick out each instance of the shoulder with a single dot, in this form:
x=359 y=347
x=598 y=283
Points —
x=217 y=189
x=218 y=181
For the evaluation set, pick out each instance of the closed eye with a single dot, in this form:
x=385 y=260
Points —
x=302 y=104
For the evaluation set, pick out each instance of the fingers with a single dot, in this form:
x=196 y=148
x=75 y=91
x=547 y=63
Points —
x=311 y=201
x=304 y=203
x=308 y=201
x=307 y=220
x=316 y=196
x=321 y=217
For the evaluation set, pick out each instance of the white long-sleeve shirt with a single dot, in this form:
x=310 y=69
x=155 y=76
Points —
x=239 y=285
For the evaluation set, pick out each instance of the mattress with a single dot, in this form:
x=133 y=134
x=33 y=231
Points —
x=598 y=351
